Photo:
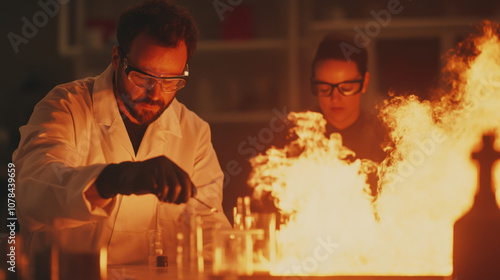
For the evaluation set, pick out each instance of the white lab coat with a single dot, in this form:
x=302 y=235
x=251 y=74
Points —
x=74 y=132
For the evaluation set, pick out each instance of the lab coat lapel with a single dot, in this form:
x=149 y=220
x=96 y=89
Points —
x=109 y=119
x=158 y=133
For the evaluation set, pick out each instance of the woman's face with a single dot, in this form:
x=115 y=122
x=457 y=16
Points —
x=339 y=110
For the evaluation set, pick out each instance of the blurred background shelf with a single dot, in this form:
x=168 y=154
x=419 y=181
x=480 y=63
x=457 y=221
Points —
x=437 y=24
x=242 y=45
x=263 y=116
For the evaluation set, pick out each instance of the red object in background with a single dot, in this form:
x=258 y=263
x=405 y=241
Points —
x=106 y=26
x=238 y=24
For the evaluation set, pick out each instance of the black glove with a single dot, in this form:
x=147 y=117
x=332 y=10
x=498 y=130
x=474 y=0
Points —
x=159 y=176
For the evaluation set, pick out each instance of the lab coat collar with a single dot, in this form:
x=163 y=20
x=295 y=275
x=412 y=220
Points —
x=103 y=99
x=106 y=110
x=169 y=120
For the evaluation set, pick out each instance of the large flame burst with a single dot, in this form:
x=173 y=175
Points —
x=426 y=182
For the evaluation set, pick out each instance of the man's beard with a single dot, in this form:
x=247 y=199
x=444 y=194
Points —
x=144 y=117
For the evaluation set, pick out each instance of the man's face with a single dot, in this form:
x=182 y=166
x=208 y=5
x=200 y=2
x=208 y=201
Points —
x=339 y=110
x=140 y=105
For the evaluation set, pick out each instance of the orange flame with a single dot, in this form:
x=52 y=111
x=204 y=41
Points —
x=426 y=182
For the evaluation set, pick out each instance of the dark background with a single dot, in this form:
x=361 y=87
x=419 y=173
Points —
x=253 y=61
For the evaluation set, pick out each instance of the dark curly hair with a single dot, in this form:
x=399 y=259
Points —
x=165 y=21
x=331 y=47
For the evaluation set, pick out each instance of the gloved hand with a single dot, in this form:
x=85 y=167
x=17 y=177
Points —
x=159 y=176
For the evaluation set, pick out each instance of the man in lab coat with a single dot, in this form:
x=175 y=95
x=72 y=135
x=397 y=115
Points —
x=99 y=154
